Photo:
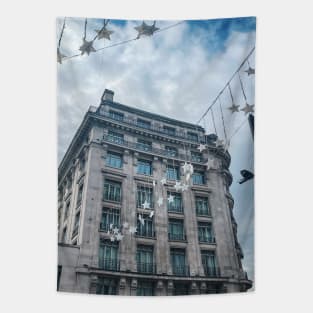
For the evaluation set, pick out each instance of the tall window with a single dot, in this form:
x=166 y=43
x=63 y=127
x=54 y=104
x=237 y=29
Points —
x=67 y=210
x=147 y=229
x=202 y=206
x=110 y=216
x=76 y=224
x=205 y=233
x=196 y=156
x=80 y=194
x=169 y=130
x=178 y=260
x=106 y=286
x=144 y=145
x=143 y=123
x=108 y=255
x=198 y=178
x=115 y=137
x=172 y=172
x=144 y=258
x=116 y=115
x=144 y=194
x=192 y=136
x=82 y=164
x=112 y=191
x=209 y=263
x=177 y=204
x=114 y=160
x=144 y=167
x=145 y=288
x=171 y=151
x=176 y=229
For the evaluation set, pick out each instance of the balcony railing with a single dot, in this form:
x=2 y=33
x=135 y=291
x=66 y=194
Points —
x=109 y=264
x=160 y=130
x=181 y=270
x=206 y=239
x=146 y=268
x=145 y=233
x=211 y=271
x=106 y=227
x=181 y=236
x=140 y=147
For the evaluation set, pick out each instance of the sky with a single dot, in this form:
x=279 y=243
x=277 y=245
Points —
x=177 y=72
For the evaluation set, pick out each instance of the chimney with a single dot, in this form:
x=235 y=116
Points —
x=107 y=95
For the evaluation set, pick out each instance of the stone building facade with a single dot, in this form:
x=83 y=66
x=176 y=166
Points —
x=115 y=163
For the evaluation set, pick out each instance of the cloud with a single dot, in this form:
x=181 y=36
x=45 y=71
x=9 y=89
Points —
x=176 y=73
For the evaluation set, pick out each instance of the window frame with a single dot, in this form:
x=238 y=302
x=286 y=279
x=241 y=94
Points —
x=110 y=156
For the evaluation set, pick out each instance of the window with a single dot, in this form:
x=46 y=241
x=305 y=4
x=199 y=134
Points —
x=115 y=137
x=192 y=136
x=76 y=224
x=198 y=178
x=63 y=239
x=114 y=160
x=169 y=130
x=171 y=151
x=143 y=123
x=145 y=288
x=144 y=167
x=108 y=217
x=80 y=194
x=202 y=206
x=147 y=229
x=112 y=191
x=67 y=210
x=108 y=255
x=144 y=259
x=82 y=164
x=116 y=115
x=144 y=194
x=178 y=260
x=106 y=286
x=196 y=156
x=181 y=289
x=144 y=145
x=172 y=173
x=205 y=233
x=176 y=229
x=209 y=263
x=177 y=205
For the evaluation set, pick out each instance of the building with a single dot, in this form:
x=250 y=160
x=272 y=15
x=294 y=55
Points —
x=116 y=163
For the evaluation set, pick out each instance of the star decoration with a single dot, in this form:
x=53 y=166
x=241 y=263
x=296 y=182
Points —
x=119 y=237
x=151 y=214
x=160 y=201
x=60 y=56
x=209 y=164
x=132 y=230
x=177 y=186
x=153 y=183
x=141 y=220
x=184 y=187
x=111 y=226
x=201 y=147
x=146 y=30
x=234 y=108
x=125 y=225
x=112 y=238
x=248 y=108
x=146 y=205
x=104 y=33
x=163 y=181
x=115 y=230
x=87 y=47
x=250 y=71
x=170 y=199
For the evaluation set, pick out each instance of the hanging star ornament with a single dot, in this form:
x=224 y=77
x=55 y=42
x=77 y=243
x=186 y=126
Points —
x=115 y=230
x=184 y=187
x=250 y=71
x=163 y=181
x=104 y=33
x=170 y=199
x=153 y=183
x=119 y=237
x=248 y=108
x=146 y=205
x=160 y=201
x=234 y=108
x=146 y=30
x=209 y=164
x=151 y=214
x=125 y=225
x=60 y=56
x=112 y=238
x=177 y=186
x=201 y=147
x=87 y=47
x=141 y=220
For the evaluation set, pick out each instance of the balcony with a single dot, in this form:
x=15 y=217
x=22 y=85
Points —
x=106 y=227
x=109 y=264
x=144 y=148
x=180 y=237
x=181 y=270
x=211 y=271
x=146 y=268
x=206 y=239
x=160 y=130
